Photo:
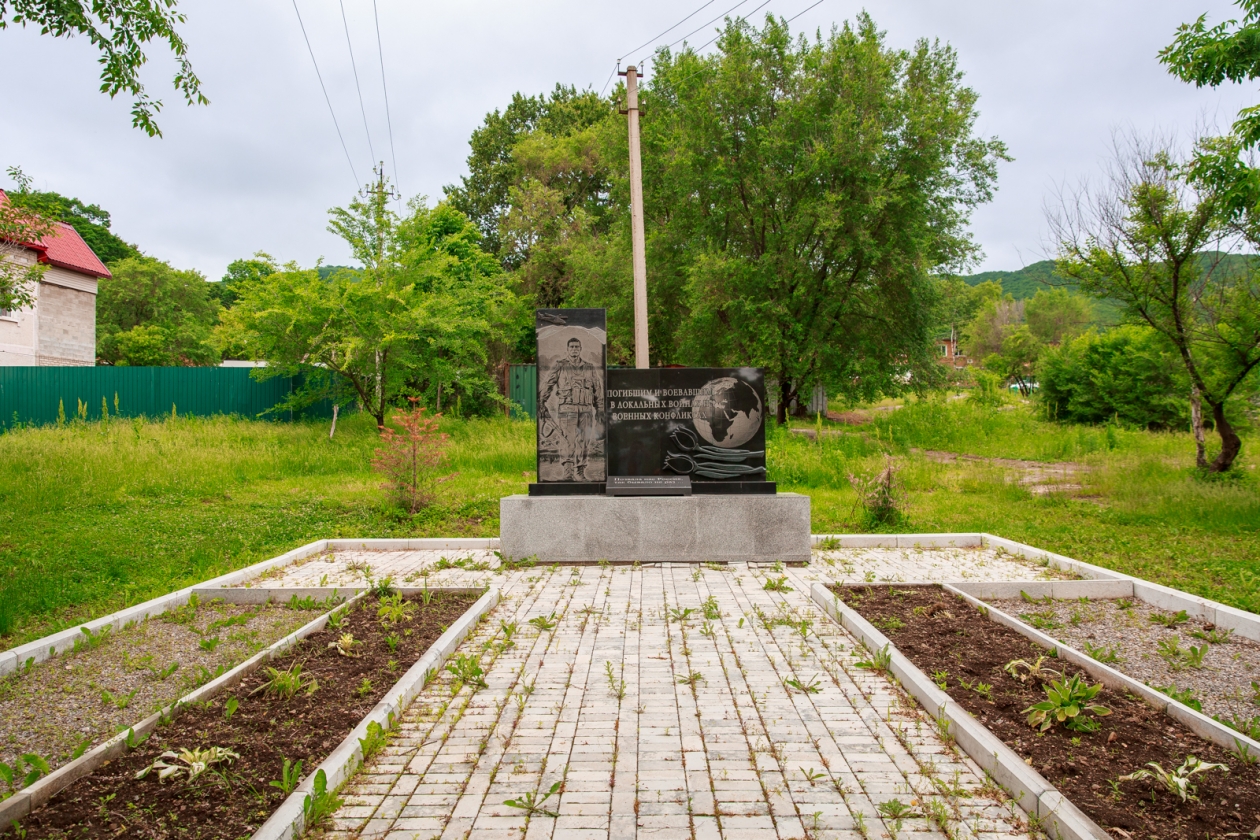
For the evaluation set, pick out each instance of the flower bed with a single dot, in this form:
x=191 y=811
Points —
x=971 y=658
x=113 y=679
x=298 y=709
x=1211 y=670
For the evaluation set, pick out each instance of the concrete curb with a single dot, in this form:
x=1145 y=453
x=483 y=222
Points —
x=61 y=641
x=282 y=596
x=421 y=544
x=289 y=820
x=1036 y=796
x=34 y=796
x=1197 y=722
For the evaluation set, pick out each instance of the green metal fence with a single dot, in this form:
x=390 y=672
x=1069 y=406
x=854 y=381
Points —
x=36 y=395
x=523 y=389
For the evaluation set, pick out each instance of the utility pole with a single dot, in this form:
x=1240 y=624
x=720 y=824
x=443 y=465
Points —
x=636 y=221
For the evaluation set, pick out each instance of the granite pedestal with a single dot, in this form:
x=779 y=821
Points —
x=697 y=529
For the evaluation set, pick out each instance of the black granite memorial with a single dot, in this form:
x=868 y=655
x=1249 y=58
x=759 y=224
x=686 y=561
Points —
x=704 y=428
x=572 y=411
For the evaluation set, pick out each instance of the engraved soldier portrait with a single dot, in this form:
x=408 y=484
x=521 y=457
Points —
x=571 y=403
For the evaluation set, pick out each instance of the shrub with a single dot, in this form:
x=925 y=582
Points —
x=881 y=497
x=409 y=459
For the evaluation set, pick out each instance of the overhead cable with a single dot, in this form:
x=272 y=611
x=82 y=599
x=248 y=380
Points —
x=667 y=31
x=320 y=76
x=388 y=122
x=702 y=26
x=719 y=35
x=362 y=110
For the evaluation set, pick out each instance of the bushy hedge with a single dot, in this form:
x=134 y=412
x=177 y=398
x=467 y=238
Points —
x=1129 y=373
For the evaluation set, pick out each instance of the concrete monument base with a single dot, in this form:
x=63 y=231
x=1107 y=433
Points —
x=694 y=529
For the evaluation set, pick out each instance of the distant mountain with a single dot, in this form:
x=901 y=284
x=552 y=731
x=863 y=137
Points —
x=1023 y=283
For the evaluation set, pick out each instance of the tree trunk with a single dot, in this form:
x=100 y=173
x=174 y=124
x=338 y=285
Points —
x=785 y=397
x=1196 y=427
x=1231 y=444
x=333 y=430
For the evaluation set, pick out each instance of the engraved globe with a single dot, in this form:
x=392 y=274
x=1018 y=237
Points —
x=726 y=412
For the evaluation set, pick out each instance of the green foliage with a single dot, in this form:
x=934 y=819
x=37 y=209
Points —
x=1184 y=696
x=290 y=776
x=419 y=316
x=1228 y=51
x=1103 y=653
x=1168 y=619
x=879 y=662
x=377 y=737
x=544 y=622
x=24 y=772
x=1176 y=781
x=239 y=274
x=120 y=31
x=532 y=804
x=1055 y=315
x=467 y=670
x=88 y=220
x=1068 y=703
x=1130 y=374
x=149 y=313
x=394 y=610
x=286 y=684
x=320 y=803
x=191 y=763
x=777 y=584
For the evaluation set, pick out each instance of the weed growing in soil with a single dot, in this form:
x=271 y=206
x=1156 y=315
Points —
x=897 y=811
x=1213 y=636
x=879 y=661
x=811 y=775
x=346 y=644
x=122 y=702
x=26 y=770
x=230 y=707
x=1068 y=703
x=891 y=624
x=941 y=678
x=320 y=803
x=1169 y=620
x=1101 y=653
x=208 y=645
x=712 y=611
x=365 y=688
x=1022 y=671
x=376 y=738
x=692 y=679
x=286 y=684
x=1177 y=657
x=335 y=619
x=1042 y=620
x=532 y=804
x=190 y=762
x=467 y=670
x=508 y=629
x=391 y=642
x=811 y=687
x=394 y=610
x=680 y=615
x=777 y=584
x=1176 y=781
x=290 y=776
x=544 y=622
x=1183 y=696
x=616 y=686
x=132 y=741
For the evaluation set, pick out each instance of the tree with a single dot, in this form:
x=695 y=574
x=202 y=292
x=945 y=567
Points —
x=1130 y=373
x=1055 y=315
x=240 y=272
x=88 y=220
x=1137 y=238
x=119 y=29
x=800 y=196
x=416 y=318
x=19 y=274
x=1016 y=357
x=995 y=319
x=149 y=313
x=495 y=168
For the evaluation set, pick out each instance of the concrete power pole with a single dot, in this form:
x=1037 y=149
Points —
x=636 y=222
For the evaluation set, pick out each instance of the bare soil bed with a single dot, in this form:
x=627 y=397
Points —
x=113 y=680
x=338 y=686
x=1212 y=670
x=967 y=653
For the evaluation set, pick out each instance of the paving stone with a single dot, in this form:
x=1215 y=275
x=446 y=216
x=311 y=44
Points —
x=660 y=725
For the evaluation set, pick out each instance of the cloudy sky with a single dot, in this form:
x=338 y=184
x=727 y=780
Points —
x=258 y=168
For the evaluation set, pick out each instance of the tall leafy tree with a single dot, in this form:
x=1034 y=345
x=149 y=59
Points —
x=415 y=319
x=120 y=30
x=1137 y=238
x=1055 y=315
x=241 y=272
x=149 y=313
x=805 y=193
x=89 y=220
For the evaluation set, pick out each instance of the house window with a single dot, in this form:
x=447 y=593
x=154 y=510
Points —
x=944 y=349
x=4 y=313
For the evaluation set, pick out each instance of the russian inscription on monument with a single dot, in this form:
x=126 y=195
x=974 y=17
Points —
x=571 y=406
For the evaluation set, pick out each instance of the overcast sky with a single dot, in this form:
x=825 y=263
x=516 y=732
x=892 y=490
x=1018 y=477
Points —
x=258 y=168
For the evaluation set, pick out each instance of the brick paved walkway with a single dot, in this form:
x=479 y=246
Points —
x=669 y=701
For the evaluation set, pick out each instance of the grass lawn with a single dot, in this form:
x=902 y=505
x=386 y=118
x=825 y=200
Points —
x=97 y=516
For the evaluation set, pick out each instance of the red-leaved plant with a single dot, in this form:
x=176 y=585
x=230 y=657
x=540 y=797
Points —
x=409 y=459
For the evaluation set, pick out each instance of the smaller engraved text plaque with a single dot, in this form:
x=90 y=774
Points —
x=648 y=485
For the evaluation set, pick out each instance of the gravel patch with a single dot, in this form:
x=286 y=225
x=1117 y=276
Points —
x=121 y=678
x=1224 y=682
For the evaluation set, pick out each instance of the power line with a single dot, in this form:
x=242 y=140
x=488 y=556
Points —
x=667 y=31
x=719 y=35
x=698 y=28
x=609 y=79
x=803 y=11
x=381 y=52
x=320 y=76
x=362 y=110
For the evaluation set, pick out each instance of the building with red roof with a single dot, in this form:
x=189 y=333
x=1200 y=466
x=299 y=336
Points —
x=59 y=328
